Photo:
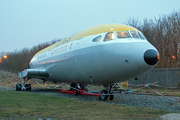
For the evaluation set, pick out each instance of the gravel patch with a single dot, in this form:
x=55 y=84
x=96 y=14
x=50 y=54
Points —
x=173 y=116
x=149 y=101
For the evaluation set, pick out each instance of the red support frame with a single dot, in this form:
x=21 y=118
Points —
x=80 y=92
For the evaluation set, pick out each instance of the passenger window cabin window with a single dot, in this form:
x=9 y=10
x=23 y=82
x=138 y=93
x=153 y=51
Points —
x=96 y=39
x=71 y=45
x=109 y=36
x=134 y=34
x=123 y=34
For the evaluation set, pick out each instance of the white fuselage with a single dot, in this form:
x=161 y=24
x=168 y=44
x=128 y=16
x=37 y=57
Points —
x=87 y=62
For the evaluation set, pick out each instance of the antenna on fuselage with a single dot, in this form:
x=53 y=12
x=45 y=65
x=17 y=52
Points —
x=135 y=78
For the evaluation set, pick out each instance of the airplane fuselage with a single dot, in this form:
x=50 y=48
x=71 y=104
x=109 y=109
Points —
x=110 y=56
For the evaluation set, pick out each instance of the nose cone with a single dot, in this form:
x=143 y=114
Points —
x=151 y=57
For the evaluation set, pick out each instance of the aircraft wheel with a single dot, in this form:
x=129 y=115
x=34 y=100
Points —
x=72 y=87
x=103 y=95
x=18 y=87
x=28 y=87
x=111 y=96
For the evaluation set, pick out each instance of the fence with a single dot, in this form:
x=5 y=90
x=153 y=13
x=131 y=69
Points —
x=169 y=77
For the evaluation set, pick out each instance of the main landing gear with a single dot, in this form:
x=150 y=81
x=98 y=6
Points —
x=106 y=94
x=23 y=86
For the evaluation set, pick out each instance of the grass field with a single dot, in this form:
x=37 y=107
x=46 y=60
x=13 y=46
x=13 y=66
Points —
x=32 y=106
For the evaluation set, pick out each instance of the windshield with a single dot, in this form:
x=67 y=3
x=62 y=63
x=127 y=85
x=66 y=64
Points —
x=109 y=36
x=134 y=34
x=122 y=34
x=141 y=35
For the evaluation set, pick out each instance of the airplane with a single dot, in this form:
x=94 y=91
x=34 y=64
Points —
x=101 y=55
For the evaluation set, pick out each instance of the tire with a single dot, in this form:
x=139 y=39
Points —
x=103 y=95
x=18 y=87
x=73 y=86
x=28 y=87
x=111 y=97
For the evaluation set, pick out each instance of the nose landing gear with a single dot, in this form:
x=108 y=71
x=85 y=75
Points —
x=23 y=86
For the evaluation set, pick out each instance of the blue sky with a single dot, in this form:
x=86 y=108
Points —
x=25 y=23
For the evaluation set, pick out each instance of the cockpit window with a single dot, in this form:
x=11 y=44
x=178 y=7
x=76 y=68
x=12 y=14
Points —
x=123 y=34
x=141 y=35
x=109 y=36
x=96 y=39
x=134 y=34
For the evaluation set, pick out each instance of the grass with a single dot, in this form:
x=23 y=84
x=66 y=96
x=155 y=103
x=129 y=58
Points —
x=32 y=106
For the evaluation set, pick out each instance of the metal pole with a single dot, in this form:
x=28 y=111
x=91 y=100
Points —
x=148 y=76
x=23 y=84
x=166 y=76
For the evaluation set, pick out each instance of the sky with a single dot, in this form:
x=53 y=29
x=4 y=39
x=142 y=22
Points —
x=25 y=23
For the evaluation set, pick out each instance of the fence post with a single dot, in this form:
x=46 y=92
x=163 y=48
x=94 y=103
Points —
x=148 y=76
x=166 y=76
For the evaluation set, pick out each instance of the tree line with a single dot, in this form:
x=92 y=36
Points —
x=18 y=60
x=163 y=33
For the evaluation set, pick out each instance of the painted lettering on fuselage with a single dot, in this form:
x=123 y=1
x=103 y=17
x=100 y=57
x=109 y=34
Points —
x=64 y=41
